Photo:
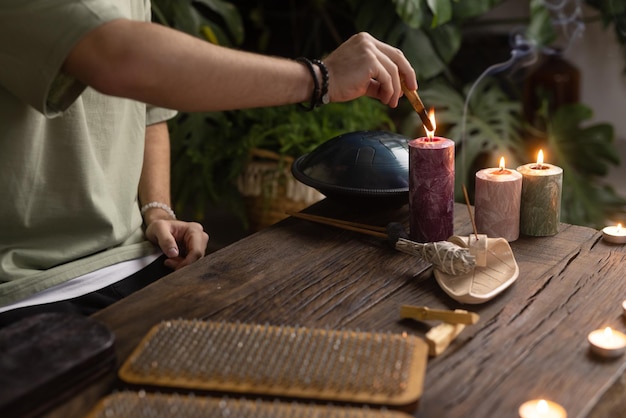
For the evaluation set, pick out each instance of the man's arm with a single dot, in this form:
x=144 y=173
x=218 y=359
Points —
x=154 y=186
x=164 y=67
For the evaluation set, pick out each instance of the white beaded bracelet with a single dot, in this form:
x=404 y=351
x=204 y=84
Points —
x=159 y=205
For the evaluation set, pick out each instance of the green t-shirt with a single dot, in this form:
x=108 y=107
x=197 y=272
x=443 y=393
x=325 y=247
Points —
x=70 y=158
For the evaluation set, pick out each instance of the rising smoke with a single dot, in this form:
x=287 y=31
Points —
x=567 y=19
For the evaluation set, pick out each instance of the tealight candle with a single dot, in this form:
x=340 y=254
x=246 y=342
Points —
x=540 y=210
x=541 y=408
x=497 y=202
x=614 y=234
x=431 y=187
x=607 y=342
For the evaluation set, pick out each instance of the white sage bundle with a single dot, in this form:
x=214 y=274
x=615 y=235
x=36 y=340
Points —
x=446 y=256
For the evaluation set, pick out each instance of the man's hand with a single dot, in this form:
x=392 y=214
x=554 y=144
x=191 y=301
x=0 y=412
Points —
x=365 y=66
x=182 y=242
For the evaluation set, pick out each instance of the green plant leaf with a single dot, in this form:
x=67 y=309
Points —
x=466 y=9
x=442 y=11
x=379 y=18
x=585 y=153
x=230 y=16
x=185 y=18
x=587 y=150
x=411 y=12
x=191 y=16
x=421 y=53
x=428 y=49
x=447 y=41
x=540 y=28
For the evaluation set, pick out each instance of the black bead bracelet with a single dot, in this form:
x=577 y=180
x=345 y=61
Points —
x=323 y=99
x=320 y=95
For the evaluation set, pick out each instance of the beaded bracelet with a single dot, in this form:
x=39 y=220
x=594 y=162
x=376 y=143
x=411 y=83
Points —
x=320 y=95
x=316 y=84
x=159 y=205
x=324 y=98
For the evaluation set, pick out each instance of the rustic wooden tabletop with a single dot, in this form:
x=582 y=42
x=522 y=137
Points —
x=530 y=341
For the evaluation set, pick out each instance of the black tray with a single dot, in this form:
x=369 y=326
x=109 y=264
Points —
x=46 y=358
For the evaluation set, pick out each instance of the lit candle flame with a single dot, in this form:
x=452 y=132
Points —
x=542 y=406
x=431 y=134
x=618 y=229
x=540 y=158
x=608 y=332
x=502 y=166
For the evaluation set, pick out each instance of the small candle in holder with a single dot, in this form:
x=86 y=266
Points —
x=540 y=211
x=614 y=234
x=607 y=342
x=431 y=187
x=497 y=202
x=541 y=408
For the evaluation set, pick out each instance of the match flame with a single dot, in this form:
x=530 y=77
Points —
x=431 y=134
x=540 y=158
x=502 y=166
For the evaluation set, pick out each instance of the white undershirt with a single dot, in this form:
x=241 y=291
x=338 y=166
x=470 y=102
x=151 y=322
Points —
x=84 y=284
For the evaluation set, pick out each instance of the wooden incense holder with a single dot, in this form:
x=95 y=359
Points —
x=496 y=271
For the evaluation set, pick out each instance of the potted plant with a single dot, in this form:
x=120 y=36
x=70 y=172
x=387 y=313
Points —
x=242 y=158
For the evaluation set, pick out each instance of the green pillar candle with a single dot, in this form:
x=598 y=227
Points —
x=540 y=209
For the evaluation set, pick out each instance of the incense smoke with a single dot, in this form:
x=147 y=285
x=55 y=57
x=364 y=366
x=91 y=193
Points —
x=567 y=18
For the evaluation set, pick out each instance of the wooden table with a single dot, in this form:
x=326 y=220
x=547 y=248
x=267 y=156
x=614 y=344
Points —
x=530 y=342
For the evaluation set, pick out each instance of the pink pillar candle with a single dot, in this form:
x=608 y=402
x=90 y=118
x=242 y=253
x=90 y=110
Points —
x=497 y=203
x=431 y=189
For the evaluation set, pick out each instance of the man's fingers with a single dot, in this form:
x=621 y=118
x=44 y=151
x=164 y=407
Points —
x=170 y=251
x=171 y=235
x=160 y=232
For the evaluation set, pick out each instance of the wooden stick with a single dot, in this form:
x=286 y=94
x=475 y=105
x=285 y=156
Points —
x=334 y=221
x=423 y=313
x=469 y=210
x=375 y=231
x=417 y=104
x=439 y=338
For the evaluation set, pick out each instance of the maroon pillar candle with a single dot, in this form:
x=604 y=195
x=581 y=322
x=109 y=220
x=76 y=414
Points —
x=431 y=189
